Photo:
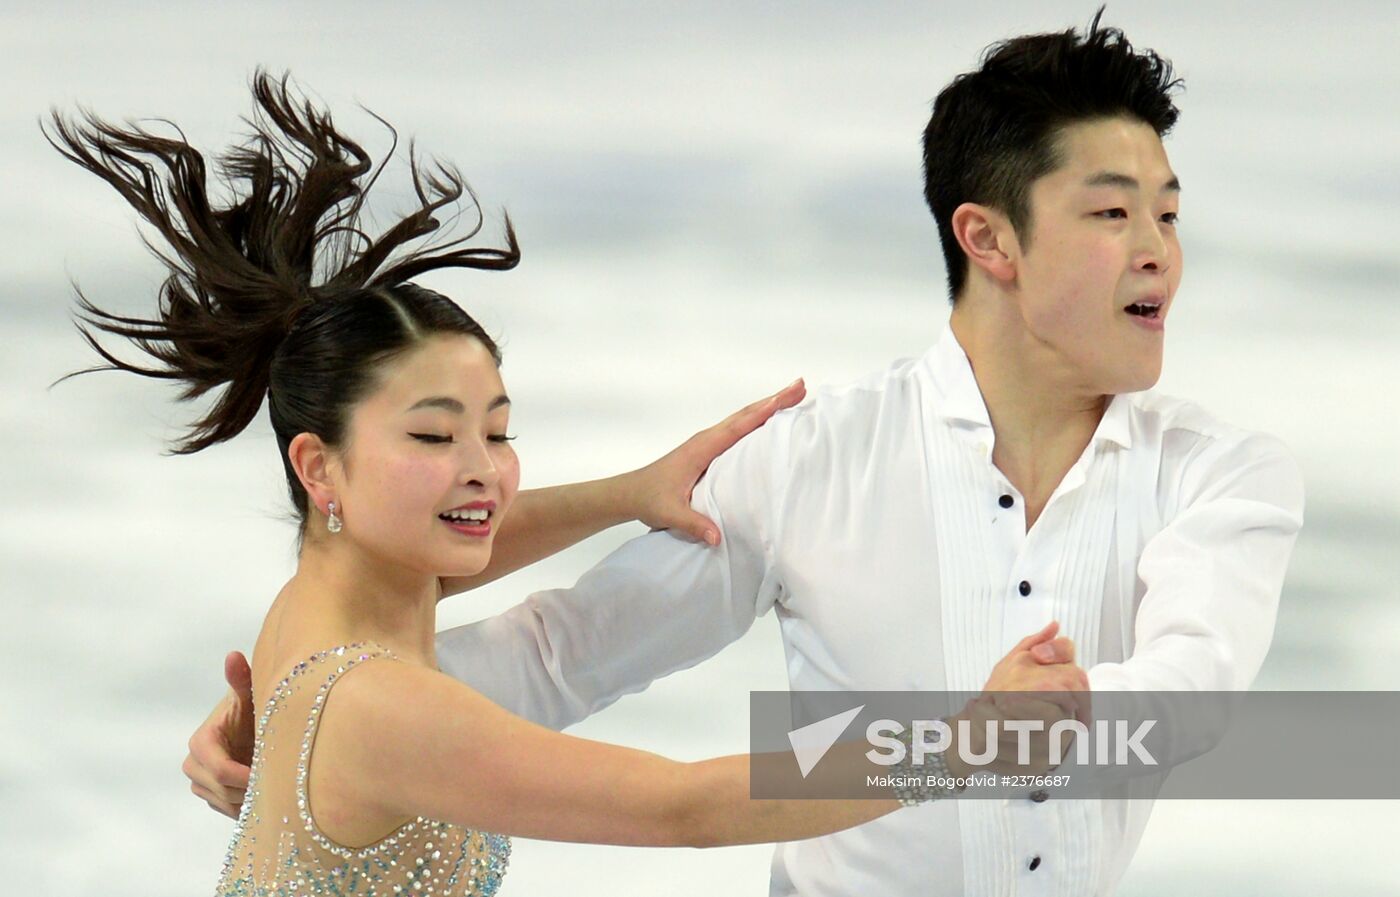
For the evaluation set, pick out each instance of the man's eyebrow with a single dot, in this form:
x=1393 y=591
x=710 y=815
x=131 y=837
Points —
x=1115 y=179
x=448 y=403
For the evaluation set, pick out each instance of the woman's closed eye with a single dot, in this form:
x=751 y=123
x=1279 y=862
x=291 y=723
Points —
x=433 y=438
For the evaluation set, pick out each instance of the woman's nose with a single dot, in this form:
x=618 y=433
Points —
x=477 y=467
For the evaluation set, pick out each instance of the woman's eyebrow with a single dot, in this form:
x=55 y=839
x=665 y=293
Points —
x=447 y=403
x=450 y=404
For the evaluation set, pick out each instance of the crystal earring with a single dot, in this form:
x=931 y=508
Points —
x=332 y=522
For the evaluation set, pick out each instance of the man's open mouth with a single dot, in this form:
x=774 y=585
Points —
x=1144 y=309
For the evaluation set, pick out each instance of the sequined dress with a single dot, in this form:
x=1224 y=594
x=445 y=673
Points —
x=279 y=851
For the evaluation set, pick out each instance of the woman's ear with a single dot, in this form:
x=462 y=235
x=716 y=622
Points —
x=988 y=240
x=316 y=467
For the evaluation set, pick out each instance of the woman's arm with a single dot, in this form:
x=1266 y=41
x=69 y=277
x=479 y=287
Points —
x=542 y=522
x=545 y=521
x=408 y=741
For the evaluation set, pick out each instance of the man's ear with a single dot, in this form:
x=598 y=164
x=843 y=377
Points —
x=987 y=239
x=315 y=466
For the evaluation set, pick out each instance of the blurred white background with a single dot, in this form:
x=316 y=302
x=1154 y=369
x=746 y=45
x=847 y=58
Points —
x=712 y=200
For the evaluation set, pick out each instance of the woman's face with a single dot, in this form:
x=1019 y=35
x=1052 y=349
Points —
x=427 y=474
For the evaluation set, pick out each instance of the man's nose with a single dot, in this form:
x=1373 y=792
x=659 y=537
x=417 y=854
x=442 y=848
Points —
x=1153 y=253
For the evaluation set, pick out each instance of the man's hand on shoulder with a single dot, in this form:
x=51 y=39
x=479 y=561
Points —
x=221 y=750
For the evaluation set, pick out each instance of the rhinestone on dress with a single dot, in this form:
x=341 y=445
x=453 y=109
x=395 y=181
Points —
x=277 y=849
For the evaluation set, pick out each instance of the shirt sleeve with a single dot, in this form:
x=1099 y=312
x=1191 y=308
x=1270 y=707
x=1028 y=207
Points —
x=656 y=605
x=1213 y=574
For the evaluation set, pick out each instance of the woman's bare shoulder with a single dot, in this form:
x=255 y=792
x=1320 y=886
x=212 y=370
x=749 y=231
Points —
x=357 y=763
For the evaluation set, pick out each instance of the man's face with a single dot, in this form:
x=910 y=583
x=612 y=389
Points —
x=1103 y=239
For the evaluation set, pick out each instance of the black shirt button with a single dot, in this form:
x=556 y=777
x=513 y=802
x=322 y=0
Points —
x=1024 y=588
x=1040 y=797
x=1035 y=863
x=1006 y=501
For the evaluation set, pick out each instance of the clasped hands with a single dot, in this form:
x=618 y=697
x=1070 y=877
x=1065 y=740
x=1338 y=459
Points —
x=1038 y=679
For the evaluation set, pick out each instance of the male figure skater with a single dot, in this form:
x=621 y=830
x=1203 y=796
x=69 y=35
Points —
x=909 y=528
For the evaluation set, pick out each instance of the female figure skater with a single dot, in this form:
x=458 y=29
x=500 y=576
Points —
x=374 y=773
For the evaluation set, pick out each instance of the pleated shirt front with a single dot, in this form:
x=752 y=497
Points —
x=872 y=521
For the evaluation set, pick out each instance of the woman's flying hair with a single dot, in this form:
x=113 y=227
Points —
x=278 y=292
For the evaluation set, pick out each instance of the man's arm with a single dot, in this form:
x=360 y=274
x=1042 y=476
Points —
x=1214 y=574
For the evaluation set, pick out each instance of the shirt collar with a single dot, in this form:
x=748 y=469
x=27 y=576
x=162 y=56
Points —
x=960 y=400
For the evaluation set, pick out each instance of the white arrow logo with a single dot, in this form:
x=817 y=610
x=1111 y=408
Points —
x=811 y=742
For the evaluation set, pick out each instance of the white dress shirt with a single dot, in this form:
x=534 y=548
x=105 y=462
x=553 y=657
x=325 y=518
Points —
x=871 y=520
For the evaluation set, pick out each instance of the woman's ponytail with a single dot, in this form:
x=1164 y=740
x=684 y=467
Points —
x=285 y=257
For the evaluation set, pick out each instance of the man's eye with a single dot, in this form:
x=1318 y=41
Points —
x=1114 y=213
x=500 y=437
x=430 y=437
x=1169 y=217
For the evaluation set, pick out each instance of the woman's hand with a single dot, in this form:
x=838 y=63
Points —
x=544 y=521
x=659 y=494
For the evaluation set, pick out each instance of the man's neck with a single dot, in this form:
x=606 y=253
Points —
x=1042 y=413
